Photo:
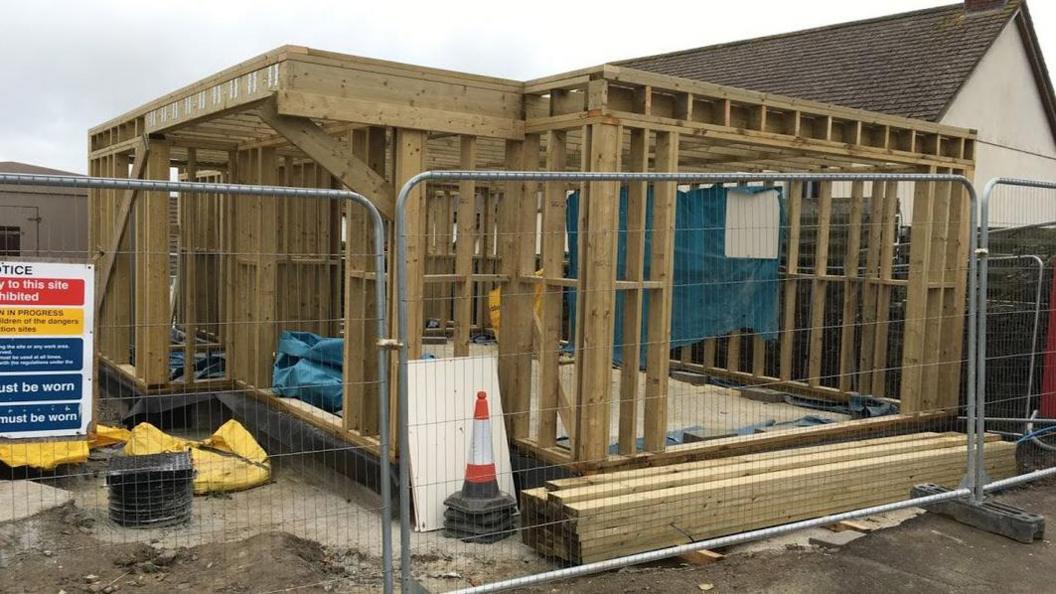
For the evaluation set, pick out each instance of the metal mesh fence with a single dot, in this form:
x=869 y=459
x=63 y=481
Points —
x=218 y=370
x=1018 y=315
x=671 y=360
x=595 y=369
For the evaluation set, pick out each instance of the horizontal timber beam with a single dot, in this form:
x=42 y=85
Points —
x=375 y=113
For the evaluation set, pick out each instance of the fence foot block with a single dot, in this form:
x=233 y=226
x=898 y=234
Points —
x=996 y=518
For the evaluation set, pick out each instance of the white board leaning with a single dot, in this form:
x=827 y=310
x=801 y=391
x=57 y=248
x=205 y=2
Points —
x=441 y=395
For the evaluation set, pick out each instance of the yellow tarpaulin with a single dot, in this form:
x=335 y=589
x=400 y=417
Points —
x=105 y=436
x=229 y=460
x=47 y=455
x=44 y=455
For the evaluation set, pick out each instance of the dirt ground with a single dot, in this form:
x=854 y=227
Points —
x=924 y=554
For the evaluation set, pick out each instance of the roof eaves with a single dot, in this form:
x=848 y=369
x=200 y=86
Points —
x=1037 y=64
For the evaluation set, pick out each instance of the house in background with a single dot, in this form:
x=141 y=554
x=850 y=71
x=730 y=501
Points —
x=975 y=65
x=40 y=221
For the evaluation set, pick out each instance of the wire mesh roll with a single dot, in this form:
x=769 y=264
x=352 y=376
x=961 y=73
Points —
x=152 y=490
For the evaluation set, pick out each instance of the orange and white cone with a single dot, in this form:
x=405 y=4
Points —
x=480 y=512
x=480 y=481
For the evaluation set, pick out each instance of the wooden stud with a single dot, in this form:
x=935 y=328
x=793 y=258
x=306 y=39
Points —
x=188 y=274
x=818 y=285
x=955 y=274
x=930 y=392
x=465 y=247
x=851 y=286
x=889 y=236
x=710 y=347
x=152 y=271
x=599 y=212
x=661 y=268
x=913 y=358
x=265 y=299
x=758 y=355
x=517 y=236
x=733 y=351
x=871 y=287
x=360 y=353
x=410 y=147
x=790 y=286
x=553 y=252
x=229 y=267
x=632 y=299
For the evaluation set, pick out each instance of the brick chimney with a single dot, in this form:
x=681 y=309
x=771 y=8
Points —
x=971 y=6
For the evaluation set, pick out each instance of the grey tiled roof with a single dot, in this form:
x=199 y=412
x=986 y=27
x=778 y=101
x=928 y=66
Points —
x=909 y=64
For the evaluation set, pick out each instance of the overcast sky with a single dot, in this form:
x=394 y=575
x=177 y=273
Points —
x=71 y=65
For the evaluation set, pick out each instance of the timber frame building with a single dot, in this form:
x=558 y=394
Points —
x=249 y=268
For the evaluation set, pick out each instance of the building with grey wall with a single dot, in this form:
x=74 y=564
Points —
x=40 y=222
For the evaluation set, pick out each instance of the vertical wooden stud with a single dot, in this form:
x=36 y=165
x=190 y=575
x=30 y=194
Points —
x=661 y=268
x=553 y=252
x=152 y=275
x=889 y=236
x=819 y=285
x=851 y=286
x=632 y=298
x=517 y=241
x=788 y=320
x=596 y=295
x=188 y=275
x=465 y=247
x=266 y=320
x=871 y=288
x=913 y=360
x=955 y=279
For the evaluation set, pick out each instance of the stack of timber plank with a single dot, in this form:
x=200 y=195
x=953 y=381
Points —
x=592 y=518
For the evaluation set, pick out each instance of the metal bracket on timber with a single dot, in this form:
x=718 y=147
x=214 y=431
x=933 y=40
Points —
x=333 y=156
x=106 y=267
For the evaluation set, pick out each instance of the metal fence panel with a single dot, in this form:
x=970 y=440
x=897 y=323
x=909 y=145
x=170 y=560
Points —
x=1015 y=346
x=197 y=285
x=660 y=338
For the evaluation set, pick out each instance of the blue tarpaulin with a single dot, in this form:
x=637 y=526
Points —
x=713 y=294
x=308 y=368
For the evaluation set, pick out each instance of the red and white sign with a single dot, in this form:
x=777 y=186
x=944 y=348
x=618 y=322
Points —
x=41 y=291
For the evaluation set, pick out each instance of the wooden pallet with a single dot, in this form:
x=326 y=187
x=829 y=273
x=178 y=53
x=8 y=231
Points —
x=593 y=518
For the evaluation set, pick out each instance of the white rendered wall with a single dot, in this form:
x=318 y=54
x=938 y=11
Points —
x=1001 y=100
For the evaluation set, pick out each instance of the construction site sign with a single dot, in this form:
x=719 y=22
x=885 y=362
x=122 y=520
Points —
x=46 y=332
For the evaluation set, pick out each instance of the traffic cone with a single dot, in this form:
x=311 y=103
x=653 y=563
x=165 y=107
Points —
x=480 y=512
